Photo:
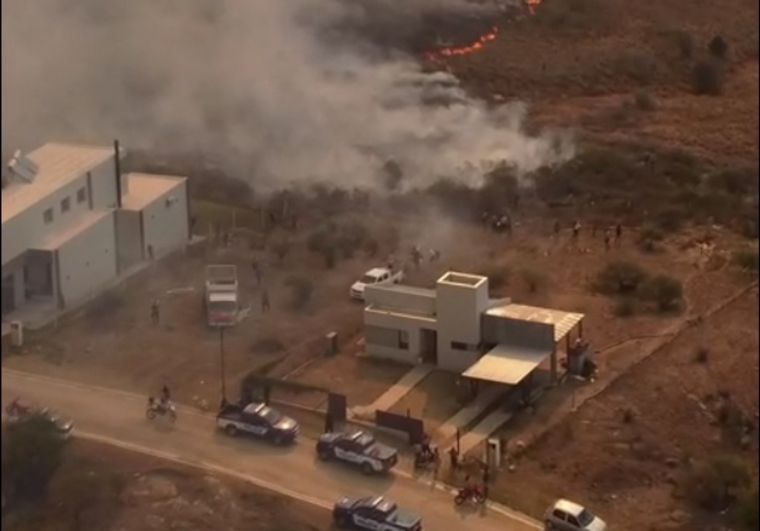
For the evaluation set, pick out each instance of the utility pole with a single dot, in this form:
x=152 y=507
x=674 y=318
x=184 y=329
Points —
x=221 y=363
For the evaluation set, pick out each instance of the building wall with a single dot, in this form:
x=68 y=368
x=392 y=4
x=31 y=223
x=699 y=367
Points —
x=103 y=184
x=87 y=261
x=459 y=309
x=516 y=332
x=395 y=298
x=128 y=238
x=165 y=225
x=28 y=228
x=381 y=330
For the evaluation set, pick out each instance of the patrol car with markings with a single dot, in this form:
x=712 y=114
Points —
x=357 y=448
x=259 y=420
x=376 y=513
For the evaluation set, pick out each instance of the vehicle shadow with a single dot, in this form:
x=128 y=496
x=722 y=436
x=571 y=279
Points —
x=243 y=443
x=348 y=474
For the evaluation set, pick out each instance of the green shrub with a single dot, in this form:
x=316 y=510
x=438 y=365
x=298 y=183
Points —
x=625 y=307
x=714 y=485
x=747 y=260
x=32 y=452
x=665 y=291
x=619 y=277
x=707 y=78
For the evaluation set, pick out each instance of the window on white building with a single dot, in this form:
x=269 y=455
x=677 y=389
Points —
x=47 y=216
x=403 y=339
x=65 y=204
x=82 y=195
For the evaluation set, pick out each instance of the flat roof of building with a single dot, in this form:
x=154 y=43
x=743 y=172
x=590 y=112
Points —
x=406 y=314
x=56 y=238
x=507 y=364
x=144 y=188
x=407 y=290
x=462 y=279
x=58 y=164
x=563 y=322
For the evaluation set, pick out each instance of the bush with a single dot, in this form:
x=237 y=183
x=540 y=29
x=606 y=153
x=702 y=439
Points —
x=670 y=220
x=685 y=43
x=747 y=260
x=713 y=485
x=663 y=290
x=748 y=509
x=718 y=47
x=302 y=290
x=625 y=307
x=648 y=238
x=645 y=101
x=707 y=78
x=32 y=452
x=534 y=280
x=281 y=248
x=619 y=277
x=701 y=355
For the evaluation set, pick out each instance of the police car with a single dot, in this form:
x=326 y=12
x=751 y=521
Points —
x=374 y=513
x=257 y=419
x=358 y=448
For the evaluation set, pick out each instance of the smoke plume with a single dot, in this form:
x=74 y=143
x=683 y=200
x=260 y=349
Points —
x=273 y=91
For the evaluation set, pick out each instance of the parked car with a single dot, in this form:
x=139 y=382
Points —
x=565 y=515
x=19 y=410
x=358 y=448
x=259 y=420
x=374 y=512
x=374 y=277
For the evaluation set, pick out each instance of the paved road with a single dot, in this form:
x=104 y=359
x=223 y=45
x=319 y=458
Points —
x=117 y=417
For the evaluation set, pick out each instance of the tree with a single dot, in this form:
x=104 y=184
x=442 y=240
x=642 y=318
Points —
x=619 y=277
x=707 y=78
x=714 y=485
x=718 y=47
x=664 y=290
x=32 y=452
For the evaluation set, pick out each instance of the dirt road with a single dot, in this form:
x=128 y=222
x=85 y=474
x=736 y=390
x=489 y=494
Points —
x=117 y=417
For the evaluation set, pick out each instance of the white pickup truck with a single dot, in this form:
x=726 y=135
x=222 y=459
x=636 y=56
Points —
x=221 y=295
x=375 y=276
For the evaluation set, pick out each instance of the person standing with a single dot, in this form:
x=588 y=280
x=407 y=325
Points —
x=454 y=459
x=618 y=232
x=155 y=312
x=265 y=306
x=607 y=237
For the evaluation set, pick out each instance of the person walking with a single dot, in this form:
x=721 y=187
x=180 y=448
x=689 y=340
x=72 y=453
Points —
x=155 y=312
x=436 y=462
x=576 y=230
x=607 y=237
x=454 y=459
x=265 y=306
x=618 y=232
x=256 y=271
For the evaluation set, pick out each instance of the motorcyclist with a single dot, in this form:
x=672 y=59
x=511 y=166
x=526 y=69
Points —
x=165 y=397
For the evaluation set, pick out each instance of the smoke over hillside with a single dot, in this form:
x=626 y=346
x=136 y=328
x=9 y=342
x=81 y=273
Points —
x=273 y=90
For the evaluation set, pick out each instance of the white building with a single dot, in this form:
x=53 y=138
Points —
x=458 y=328
x=71 y=226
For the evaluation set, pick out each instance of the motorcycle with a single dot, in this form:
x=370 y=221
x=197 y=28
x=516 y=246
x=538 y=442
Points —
x=160 y=408
x=424 y=459
x=470 y=493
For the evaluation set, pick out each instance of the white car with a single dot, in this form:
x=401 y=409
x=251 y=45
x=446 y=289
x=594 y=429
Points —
x=375 y=276
x=565 y=515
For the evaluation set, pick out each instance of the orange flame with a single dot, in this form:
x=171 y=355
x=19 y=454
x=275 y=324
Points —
x=532 y=5
x=464 y=50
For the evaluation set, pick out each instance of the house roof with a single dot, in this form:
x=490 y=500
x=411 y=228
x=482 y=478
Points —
x=563 y=322
x=58 y=165
x=144 y=188
x=507 y=364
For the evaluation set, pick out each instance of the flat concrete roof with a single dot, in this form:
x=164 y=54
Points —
x=408 y=290
x=462 y=279
x=55 y=239
x=144 y=188
x=507 y=364
x=405 y=314
x=563 y=322
x=59 y=164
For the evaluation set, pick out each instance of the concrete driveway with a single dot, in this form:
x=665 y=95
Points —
x=118 y=418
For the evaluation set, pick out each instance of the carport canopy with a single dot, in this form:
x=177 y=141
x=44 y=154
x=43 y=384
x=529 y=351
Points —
x=507 y=364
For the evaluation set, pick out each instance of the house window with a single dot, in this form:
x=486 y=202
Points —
x=65 y=204
x=47 y=216
x=82 y=195
x=403 y=339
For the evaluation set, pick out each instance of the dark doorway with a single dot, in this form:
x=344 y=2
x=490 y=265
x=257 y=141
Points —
x=9 y=295
x=429 y=346
x=38 y=276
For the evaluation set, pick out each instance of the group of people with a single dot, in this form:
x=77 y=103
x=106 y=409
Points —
x=163 y=402
x=433 y=254
x=610 y=232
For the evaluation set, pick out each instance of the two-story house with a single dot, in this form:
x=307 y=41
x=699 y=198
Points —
x=71 y=224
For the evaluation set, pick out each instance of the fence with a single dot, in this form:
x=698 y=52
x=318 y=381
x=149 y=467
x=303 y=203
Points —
x=413 y=427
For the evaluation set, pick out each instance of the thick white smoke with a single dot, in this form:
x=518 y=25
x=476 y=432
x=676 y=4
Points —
x=264 y=84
